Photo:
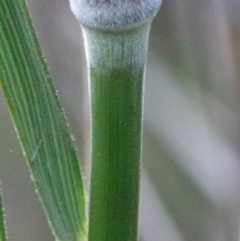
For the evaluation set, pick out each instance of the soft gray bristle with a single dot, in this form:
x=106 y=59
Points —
x=114 y=14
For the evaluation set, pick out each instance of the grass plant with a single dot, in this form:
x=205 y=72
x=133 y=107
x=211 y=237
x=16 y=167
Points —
x=116 y=39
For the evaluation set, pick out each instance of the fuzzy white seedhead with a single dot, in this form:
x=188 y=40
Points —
x=115 y=14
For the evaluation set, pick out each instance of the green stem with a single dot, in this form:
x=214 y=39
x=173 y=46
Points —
x=116 y=38
x=116 y=65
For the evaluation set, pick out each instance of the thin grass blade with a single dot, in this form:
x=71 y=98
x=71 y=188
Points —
x=2 y=224
x=40 y=123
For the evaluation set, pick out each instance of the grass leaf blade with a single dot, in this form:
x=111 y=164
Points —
x=40 y=123
x=2 y=224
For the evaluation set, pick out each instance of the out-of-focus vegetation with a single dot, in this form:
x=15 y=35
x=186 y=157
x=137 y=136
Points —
x=191 y=154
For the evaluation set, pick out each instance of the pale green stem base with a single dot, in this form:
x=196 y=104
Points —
x=116 y=64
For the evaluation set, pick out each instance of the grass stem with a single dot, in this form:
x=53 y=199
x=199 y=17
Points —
x=116 y=67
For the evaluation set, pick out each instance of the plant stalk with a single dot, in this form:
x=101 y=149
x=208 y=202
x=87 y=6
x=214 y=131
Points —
x=116 y=67
x=116 y=39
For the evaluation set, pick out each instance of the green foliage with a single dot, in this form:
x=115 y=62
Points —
x=116 y=61
x=2 y=226
x=40 y=123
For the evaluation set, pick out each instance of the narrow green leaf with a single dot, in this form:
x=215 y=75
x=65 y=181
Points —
x=40 y=123
x=2 y=226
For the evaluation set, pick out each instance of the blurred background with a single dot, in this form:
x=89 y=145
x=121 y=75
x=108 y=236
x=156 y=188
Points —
x=190 y=188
